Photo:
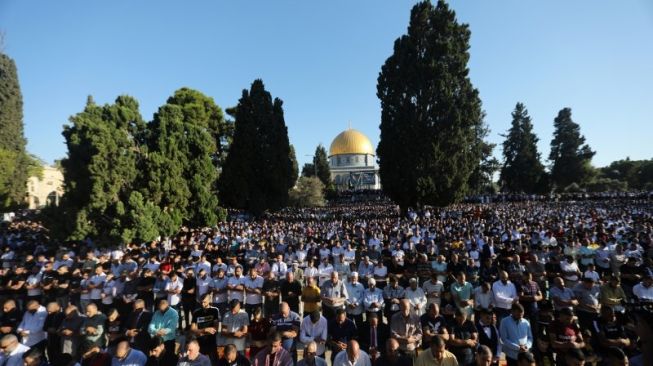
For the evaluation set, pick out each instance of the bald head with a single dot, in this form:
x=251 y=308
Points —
x=353 y=350
x=405 y=307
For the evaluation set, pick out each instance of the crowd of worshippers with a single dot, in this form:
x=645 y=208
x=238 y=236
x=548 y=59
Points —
x=516 y=283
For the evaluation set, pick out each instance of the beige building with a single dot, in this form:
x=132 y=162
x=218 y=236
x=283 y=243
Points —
x=45 y=191
x=352 y=161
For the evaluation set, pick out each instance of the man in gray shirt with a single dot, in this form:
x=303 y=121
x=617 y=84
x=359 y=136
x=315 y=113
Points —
x=588 y=307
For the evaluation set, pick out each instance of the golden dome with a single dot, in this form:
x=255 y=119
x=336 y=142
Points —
x=351 y=142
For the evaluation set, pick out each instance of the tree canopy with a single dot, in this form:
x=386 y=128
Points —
x=258 y=171
x=431 y=120
x=570 y=156
x=14 y=160
x=522 y=170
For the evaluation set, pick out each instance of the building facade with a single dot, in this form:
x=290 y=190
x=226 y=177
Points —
x=352 y=161
x=45 y=191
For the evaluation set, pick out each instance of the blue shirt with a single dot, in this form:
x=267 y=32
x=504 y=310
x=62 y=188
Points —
x=513 y=334
x=133 y=358
x=168 y=321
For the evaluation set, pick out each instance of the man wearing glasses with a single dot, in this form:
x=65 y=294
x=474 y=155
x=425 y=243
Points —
x=12 y=351
x=310 y=356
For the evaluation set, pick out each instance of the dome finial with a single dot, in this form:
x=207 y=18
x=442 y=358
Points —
x=349 y=123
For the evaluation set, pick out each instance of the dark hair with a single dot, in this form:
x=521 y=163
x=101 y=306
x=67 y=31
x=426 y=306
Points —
x=229 y=348
x=483 y=350
x=517 y=306
x=576 y=354
x=615 y=353
x=33 y=353
x=526 y=356
x=155 y=342
x=437 y=342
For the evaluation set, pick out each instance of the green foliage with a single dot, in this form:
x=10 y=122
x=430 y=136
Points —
x=570 y=156
x=481 y=179
x=186 y=142
x=321 y=165
x=637 y=174
x=431 y=120
x=101 y=169
x=258 y=171
x=126 y=180
x=34 y=166
x=309 y=192
x=522 y=171
x=606 y=185
x=295 y=168
x=573 y=188
x=13 y=156
x=308 y=170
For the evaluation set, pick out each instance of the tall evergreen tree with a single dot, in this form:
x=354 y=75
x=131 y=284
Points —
x=308 y=170
x=294 y=170
x=101 y=170
x=570 y=156
x=321 y=165
x=184 y=151
x=14 y=159
x=258 y=170
x=431 y=119
x=522 y=169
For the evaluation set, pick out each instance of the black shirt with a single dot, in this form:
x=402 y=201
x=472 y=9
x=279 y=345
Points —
x=435 y=325
x=342 y=332
x=206 y=318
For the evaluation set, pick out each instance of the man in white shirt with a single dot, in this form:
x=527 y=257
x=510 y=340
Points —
x=279 y=267
x=352 y=356
x=416 y=297
x=30 y=328
x=314 y=329
x=373 y=299
x=505 y=294
x=173 y=289
x=324 y=271
x=433 y=290
x=96 y=284
x=644 y=290
x=354 y=300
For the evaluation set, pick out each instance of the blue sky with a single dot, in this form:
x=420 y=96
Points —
x=323 y=58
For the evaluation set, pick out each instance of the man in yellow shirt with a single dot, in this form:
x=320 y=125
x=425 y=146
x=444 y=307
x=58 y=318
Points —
x=311 y=296
x=436 y=355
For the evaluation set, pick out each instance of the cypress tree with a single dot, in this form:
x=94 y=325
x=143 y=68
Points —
x=294 y=171
x=258 y=171
x=522 y=170
x=14 y=160
x=308 y=170
x=431 y=119
x=321 y=165
x=570 y=156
